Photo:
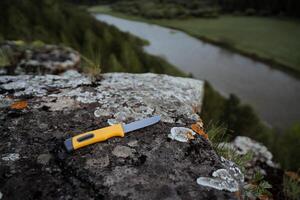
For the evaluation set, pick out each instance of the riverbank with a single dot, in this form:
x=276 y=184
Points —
x=270 y=40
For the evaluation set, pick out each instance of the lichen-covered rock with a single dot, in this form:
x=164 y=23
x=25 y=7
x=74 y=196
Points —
x=41 y=59
x=145 y=164
x=119 y=95
x=261 y=161
x=261 y=156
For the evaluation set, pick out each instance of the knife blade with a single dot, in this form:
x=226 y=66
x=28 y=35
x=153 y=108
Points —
x=103 y=134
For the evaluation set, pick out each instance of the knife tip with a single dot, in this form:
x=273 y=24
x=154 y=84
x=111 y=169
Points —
x=157 y=117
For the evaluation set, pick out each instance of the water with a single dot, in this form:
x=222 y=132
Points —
x=273 y=94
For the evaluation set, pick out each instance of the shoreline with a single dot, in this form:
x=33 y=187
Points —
x=252 y=55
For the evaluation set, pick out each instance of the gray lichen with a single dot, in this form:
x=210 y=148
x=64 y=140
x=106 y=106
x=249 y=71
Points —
x=97 y=163
x=123 y=151
x=123 y=96
x=44 y=159
x=148 y=94
x=39 y=85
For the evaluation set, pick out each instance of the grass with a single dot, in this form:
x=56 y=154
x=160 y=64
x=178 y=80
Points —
x=291 y=185
x=256 y=187
x=5 y=58
x=272 y=40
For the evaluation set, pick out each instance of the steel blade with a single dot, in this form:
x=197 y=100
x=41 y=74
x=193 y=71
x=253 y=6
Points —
x=141 y=124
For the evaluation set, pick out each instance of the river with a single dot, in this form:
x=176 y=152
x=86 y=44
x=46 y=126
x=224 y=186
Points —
x=273 y=94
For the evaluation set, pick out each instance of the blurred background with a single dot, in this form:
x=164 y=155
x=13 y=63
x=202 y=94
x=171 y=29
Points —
x=247 y=51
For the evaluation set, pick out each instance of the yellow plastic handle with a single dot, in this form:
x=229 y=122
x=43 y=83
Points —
x=92 y=137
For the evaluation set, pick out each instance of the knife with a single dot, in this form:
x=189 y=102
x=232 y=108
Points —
x=103 y=134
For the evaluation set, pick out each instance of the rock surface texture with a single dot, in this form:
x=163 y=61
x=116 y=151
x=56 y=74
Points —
x=145 y=164
x=38 y=59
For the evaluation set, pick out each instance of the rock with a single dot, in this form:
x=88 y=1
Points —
x=50 y=59
x=43 y=159
x=145 y=164
x=149 y=94
x=117 y=94
x=123 y=151
x=1 y=195
x=133 y=143
x=261 y=156
x=261 y=161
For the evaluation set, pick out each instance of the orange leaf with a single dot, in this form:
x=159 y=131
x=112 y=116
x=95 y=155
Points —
x=293 y=175
x=196 y=127
x=19 y=105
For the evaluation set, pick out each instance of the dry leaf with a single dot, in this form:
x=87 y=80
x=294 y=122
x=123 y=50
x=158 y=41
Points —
x=264 y=197
x=293 y=175
x=197 y=128
x=238 y=195
x=19 y=105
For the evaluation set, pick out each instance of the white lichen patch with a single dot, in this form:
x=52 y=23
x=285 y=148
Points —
x=233 y=170
x=11 y=157
x=101 y=112
x=181 y=134
x=222 y=181
x=114 y=121
x=230 y=178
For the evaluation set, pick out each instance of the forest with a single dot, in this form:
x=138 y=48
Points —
x=58 y=22
x=201 y=8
